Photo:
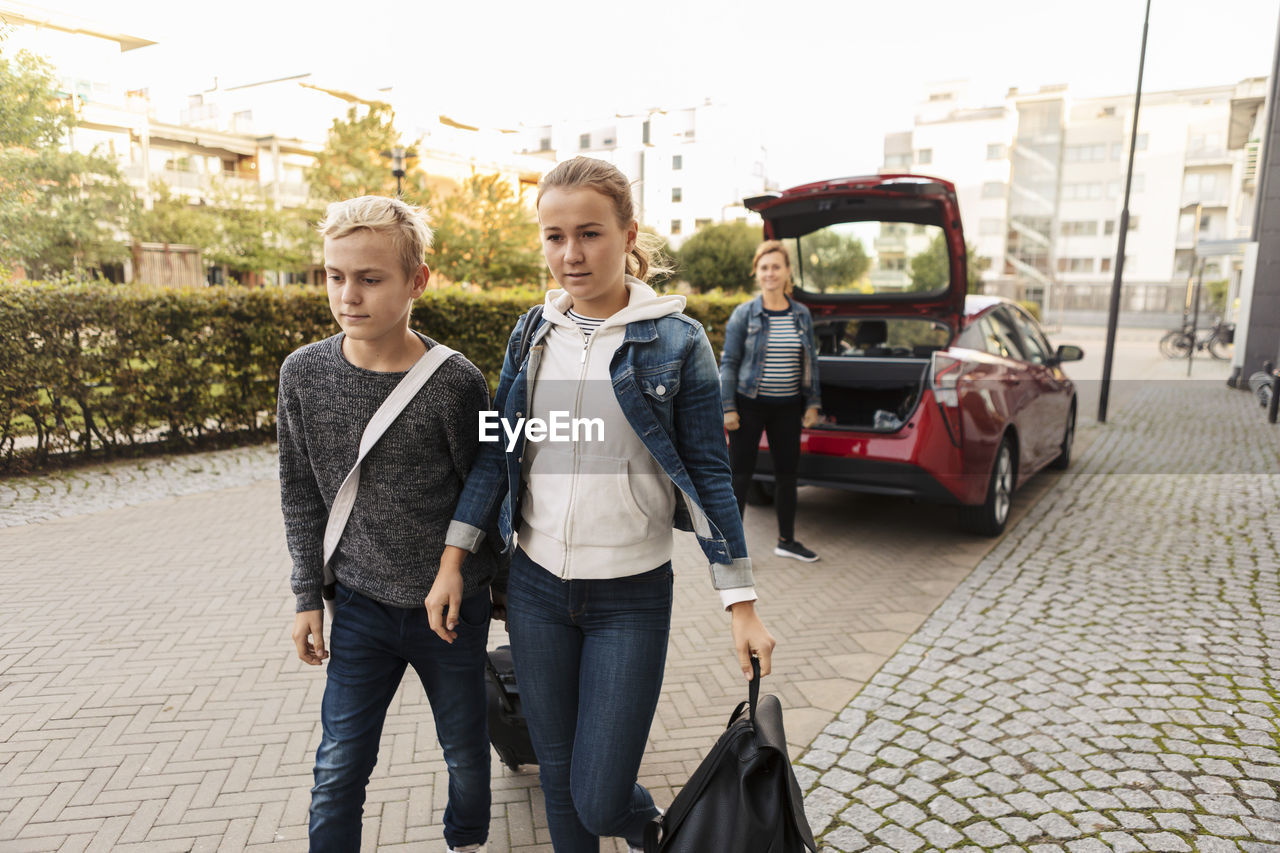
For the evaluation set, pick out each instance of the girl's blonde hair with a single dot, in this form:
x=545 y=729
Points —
x=405 y=224
x=767 y=247
x=645 y=260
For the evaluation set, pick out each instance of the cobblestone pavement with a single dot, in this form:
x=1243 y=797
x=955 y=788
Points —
x=1106 y=678
x=78 y=491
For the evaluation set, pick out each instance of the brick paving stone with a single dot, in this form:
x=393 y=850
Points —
x=845 y=839
x=939 y=834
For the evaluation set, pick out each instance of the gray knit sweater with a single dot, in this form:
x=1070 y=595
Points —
x=409 y=482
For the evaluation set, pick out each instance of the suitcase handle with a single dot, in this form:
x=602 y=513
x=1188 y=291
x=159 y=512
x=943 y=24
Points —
x=497 y=678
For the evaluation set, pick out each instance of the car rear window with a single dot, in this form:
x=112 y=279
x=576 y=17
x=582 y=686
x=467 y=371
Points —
x=881 y=337
x=872 y=257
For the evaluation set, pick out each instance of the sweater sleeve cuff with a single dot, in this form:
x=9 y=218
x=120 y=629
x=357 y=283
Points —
x=309 y=600
x=730 y=597
x=464 y=536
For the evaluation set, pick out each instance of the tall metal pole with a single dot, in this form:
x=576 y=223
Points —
x=1113 y=314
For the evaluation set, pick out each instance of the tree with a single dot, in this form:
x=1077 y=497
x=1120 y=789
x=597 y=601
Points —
x=831 y=260
x=61 y=210
x=931 y=269
x=250 y=234
x=353 y=161
x=171 y=219
x=719 y=256
x=484 y=232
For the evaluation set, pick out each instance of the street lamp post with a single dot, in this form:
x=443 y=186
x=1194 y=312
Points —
x=397 y=167
x=1113 y=312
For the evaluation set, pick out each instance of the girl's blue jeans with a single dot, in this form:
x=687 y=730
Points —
x=589 y=658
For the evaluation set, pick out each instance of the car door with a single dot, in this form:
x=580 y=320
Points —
x=1018 y=386
x=1052 y=395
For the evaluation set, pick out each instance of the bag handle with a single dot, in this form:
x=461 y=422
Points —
x=753 y=689
x=345 y=500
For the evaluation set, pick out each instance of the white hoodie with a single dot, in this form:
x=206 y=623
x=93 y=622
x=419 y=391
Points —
x=601 y=506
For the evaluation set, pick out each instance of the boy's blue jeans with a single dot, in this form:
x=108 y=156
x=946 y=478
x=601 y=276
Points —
x=589 y=658
x=370 y=645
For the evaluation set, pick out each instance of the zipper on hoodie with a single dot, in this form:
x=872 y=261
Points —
x=577 y=462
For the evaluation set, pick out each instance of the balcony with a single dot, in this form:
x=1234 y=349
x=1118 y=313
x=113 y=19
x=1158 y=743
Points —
x=1217 y=198
x=890 y=245
x=1218 y=156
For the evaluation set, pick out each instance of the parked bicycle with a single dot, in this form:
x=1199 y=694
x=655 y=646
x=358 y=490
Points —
x=1178 y=343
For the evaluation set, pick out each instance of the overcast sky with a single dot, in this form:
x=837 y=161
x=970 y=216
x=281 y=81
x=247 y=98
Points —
x=830 y=77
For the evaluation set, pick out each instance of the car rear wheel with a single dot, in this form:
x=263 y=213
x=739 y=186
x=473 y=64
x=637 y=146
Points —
x=1063 y=460
x=990 y=517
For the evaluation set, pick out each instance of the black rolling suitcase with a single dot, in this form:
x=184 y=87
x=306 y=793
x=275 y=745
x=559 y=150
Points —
x=508 y=731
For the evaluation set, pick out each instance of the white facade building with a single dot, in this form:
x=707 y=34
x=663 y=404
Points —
x=690 y=167
x=1041 y=182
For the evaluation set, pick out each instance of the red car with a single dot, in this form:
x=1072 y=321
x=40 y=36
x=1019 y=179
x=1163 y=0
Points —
x=926 y=392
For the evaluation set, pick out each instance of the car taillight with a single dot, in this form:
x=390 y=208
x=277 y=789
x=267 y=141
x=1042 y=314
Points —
x=944 y=379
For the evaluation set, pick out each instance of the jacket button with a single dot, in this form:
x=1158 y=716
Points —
x=661 y=389
x=519 y=414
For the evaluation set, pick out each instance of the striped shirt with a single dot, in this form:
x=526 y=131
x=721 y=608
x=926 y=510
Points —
x=783 y=355
x=586 y=324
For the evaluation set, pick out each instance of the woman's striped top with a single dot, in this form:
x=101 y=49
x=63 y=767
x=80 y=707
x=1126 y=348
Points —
x=783 y=355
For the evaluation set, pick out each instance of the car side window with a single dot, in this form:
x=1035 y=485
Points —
x=1002 y=340
x=1037 y=347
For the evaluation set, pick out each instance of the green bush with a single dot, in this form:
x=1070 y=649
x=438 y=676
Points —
x=98 y=369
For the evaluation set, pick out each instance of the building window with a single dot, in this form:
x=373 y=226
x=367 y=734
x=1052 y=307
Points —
x=1075 y=264
x=1093 y=153
x=644 y=133
x=993 y=189
x=544 y=144
x=1109 y=227
x=699 y=224
x=996 y=151
x=1080 y=228
x=677 y=162
x=897 y=161
x=677 y=194
x=990 y=226
x=675 y=227
x=1142 y=142
x=1108 y=111
x=608 y=140
x=1080 y=192
x=1104 y=265
x=584 y=141
x=1133 y=223
x=924 y=156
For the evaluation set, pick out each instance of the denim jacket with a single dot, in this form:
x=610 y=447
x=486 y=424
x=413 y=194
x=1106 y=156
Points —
x=742 y=362
x=664 y=379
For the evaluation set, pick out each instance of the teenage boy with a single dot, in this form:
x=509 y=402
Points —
x=385 y=564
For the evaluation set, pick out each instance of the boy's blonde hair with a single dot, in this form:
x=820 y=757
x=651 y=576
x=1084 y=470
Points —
x=405 y=224
x=645 y=260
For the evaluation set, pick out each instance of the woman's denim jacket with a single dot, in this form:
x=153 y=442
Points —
x=664 y=378
x=742 y=361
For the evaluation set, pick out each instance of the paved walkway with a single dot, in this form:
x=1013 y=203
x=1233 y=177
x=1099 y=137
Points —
x=150 y=698
x=1106 y=679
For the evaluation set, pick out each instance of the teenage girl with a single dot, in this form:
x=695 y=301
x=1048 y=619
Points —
x=589 y=596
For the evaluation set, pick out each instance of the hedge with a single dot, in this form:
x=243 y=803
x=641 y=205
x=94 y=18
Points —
x=96 y=369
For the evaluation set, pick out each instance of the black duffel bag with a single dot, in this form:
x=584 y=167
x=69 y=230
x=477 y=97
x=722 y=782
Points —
x=744 y=797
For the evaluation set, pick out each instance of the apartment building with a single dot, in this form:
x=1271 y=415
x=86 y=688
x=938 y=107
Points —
x=1041 y=181
x=690 y=166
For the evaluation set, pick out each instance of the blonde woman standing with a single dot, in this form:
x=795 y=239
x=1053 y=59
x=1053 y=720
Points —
x=769 y=384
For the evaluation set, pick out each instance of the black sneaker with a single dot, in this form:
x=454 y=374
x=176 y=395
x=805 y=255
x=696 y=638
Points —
x=793 y=549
